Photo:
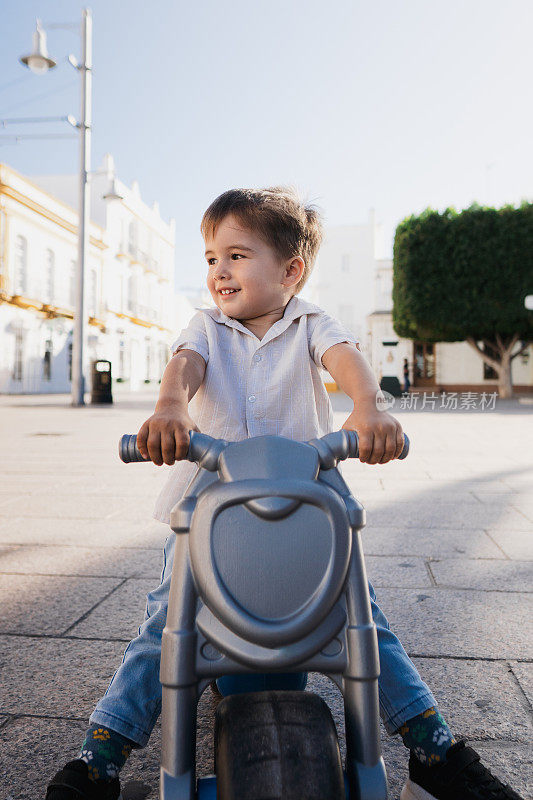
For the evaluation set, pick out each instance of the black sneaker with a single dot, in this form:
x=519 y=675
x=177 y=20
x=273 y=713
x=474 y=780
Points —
x=461 y=777
x=73 y=783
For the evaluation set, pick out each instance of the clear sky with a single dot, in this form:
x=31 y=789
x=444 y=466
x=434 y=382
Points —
x=391 y=104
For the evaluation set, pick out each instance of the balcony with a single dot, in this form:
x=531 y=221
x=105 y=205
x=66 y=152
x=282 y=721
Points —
x=137 y=256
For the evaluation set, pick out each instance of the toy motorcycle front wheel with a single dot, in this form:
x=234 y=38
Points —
x=277 y=746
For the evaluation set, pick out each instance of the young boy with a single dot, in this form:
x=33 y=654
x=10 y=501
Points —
x=250 y=366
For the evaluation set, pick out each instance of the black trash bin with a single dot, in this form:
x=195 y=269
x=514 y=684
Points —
x=391 y=385
x=101 y=381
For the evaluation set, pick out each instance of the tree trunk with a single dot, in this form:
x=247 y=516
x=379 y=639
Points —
x=502 y=366
x=505 y=383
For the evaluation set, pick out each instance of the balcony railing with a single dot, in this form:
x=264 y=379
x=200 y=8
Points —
x=139 y=256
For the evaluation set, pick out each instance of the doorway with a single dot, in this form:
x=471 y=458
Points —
x=424 y=363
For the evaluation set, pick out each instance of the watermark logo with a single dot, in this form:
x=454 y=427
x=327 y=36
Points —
x=446 y=401
x=449 y=401
x=384 y=400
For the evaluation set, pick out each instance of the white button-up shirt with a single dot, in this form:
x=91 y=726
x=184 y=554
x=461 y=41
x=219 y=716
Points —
x=254 y=387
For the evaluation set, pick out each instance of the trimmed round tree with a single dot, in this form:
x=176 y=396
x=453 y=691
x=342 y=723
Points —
x=463 y=276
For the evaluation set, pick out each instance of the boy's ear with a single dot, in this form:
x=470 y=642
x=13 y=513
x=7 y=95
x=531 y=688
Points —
x=294 y=270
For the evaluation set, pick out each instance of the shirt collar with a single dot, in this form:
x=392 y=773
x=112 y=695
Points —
x=294 y=309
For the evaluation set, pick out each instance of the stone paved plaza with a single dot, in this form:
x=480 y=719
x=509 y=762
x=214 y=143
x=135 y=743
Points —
x=448 y=547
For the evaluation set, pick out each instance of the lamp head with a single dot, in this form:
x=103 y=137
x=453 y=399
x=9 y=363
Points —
x=38 y=60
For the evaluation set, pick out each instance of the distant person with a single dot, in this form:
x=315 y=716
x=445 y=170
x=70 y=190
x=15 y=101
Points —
x=260 y=249
x=406 y=381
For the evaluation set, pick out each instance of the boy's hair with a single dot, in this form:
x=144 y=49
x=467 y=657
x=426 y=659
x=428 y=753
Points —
x=277 y=215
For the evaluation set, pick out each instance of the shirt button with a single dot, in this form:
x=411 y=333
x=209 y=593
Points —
x=252 y=398
x=257 y=358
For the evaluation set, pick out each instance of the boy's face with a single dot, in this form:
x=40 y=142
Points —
x=239 y=259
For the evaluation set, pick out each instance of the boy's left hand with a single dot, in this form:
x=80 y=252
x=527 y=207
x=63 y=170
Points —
x=380 y=434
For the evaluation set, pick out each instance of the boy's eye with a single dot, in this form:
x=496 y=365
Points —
x=234 y=256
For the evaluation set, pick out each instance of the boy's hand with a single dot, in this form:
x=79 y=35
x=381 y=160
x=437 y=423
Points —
x=380 y=434
x=164 y=437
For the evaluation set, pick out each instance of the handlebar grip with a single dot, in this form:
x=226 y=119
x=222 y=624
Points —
x=204 y=450
x=405 y=451
x=128 y=450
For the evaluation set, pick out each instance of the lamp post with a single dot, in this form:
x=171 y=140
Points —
x=40 y=62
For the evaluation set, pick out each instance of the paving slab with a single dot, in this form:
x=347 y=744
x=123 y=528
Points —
x=405 y=572
x=434 y=542
x=525 y=506
x=479 y=699
x=48 y=604
x=521 y=480
x=96 y=562
x=121 y=614
x=142 y=532
x=75 y=506
x=455 y=622
x=55 y=677
x=432 y=513
x=515 y=544
x=500 y=576
x=524 y=675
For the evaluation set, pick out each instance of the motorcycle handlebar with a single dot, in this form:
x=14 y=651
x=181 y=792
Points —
x=205 y=450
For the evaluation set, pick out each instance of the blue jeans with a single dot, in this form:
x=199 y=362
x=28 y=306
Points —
x=132 y=702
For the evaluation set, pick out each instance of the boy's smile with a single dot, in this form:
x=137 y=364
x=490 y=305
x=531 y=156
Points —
x=247 y=278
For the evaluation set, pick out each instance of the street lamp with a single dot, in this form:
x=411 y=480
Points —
x=40 y=62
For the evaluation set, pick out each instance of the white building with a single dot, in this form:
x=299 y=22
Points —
x=129 y=281
x=343 y=279
x=440 y=366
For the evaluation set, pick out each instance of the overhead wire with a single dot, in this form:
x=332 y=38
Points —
x=38 y=97
x=14 y=82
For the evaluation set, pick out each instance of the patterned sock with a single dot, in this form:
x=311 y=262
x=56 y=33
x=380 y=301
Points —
x=105 y=752
x=427 y=736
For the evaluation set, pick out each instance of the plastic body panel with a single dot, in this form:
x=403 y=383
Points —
x=225 y=620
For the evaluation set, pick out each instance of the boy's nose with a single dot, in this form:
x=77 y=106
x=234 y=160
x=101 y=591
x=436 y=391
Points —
x=221 y=270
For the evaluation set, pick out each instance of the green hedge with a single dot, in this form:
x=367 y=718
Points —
x=464 y=274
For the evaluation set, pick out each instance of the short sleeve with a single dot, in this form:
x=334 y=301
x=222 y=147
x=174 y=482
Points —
x=324 y=332
x=193 y=337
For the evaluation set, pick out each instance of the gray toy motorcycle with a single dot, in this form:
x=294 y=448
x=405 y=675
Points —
x=269 y=577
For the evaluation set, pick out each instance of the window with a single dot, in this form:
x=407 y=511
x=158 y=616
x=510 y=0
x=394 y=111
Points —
x=132 y=294
x=19 y=355
x=132 y=238
x=148 y=360
x=385 y=285
x=47 y=360
x=49 y=277
x=121 y=359
x=345 y=262
x=346 y=316
x=424 y=363
x=72 y=284
x=21 y=265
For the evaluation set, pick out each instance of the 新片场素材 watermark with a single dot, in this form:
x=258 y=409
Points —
x=449 y=401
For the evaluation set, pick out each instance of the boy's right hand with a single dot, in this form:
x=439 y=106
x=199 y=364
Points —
x=164 y=437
